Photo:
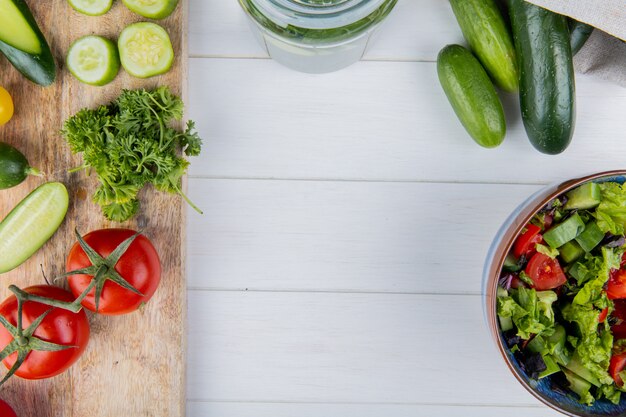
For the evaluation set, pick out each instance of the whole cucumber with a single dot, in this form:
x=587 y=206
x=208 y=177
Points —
x=38 y=66
x=547 y=95
x=486 y=33
x=579 y=33
x=14 y=167
x=472 y=95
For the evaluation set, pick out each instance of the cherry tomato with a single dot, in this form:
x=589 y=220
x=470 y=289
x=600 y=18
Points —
x=6 y=410
x=618 y=362
x=60 y=326
x=616 y=287
x=545 y=272
x=525 y=243
x=6 y=106
x=139 y=266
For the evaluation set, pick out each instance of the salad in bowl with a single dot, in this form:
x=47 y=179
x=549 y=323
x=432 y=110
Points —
x=556 y=295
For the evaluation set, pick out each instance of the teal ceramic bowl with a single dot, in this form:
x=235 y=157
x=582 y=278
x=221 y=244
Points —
x=543 y=390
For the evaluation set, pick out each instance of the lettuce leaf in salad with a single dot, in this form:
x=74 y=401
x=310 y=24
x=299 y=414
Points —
x=530 y=310
x=594 y=344
x=548 y=251
x=598 y=272
x=611 y=213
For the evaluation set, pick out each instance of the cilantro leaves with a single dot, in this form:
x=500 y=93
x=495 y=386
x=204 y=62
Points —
x=129 y=144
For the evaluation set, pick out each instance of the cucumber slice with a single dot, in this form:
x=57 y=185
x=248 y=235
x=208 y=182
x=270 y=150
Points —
x=31 y=223
x=152 y=9
x=91 y=7
x=564 y=232
x=145 y=50
x=93 y=60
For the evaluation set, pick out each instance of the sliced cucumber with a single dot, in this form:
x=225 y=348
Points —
x=145 y=50
x=31 y=223
x=91 y=7
x=152 y=9
x=93 y=60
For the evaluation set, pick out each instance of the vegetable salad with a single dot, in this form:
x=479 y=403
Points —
x=562 y=293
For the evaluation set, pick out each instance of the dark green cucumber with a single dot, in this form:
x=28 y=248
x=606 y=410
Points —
x=23 y=44
x=547 y=94
x=14 y=167
x=486 y=33
x=579 y=33
x=472 y=95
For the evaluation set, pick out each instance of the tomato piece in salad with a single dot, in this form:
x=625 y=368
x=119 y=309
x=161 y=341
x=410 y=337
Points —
x=618 y=328
x=616 y=287
x=525 y=243
x=617 y=365
x=545 y=272
x=603 y=314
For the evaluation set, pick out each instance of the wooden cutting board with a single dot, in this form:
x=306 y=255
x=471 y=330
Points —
x=134 y=364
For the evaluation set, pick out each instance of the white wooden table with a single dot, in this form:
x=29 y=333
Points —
x=336 y=271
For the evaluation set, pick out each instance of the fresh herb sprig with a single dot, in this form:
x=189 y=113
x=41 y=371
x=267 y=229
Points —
x=129 y=144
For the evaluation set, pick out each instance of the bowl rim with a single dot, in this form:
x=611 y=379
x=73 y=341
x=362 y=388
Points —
x=527 y=210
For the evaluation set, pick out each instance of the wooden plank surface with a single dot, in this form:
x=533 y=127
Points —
x=391 y=237
x=134 y=365
x=385 y=121
x=238 y=409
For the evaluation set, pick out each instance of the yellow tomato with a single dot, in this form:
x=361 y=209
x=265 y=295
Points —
x=6 y=106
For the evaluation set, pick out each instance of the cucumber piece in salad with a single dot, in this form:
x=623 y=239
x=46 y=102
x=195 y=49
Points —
x=91 y=7
x=145 y=50
x=93 y=60
x=152 y=9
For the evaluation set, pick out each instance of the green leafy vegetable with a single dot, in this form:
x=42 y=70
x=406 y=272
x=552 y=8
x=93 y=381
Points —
x=551 y=252
x=593 y=290
x=129 y=144
x=530 y=310
x=611 y=213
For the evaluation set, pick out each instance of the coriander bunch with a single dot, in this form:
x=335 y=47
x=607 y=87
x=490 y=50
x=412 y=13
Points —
x=129 y=144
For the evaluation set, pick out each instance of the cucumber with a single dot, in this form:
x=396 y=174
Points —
x=14 y=167
x=546 y=75
x=571 y=251
x=91 y=7
x=31 y=223
x=152 y=9
x=577 y=384
x=590 y=237
x=93 y=60
x=584 y=197
x=145 y=50
x=472 y=95
x=23 y=44
x=579 y=33
x=564 y=232
x=485 y=30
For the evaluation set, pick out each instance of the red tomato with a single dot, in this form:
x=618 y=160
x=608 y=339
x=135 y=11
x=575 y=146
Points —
x=618 y=362
x=525 y=243
x=545 y=272
x=6 y=410
x=139 y=266
x=616 y=287
x=60 y=326
x=619 y=326
x=603 y=314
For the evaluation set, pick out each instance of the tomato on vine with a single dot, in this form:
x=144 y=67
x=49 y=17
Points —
x=40 y=340
x=115 y=270
x=6 y=410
